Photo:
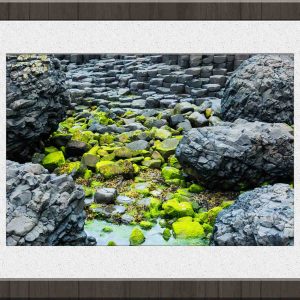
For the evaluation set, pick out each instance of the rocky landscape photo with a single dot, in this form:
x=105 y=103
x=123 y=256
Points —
x=150 y=149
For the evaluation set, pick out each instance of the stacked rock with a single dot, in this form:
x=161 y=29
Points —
x=157 y=81
x=35 y=102
x=247 y=154
x=42 y=208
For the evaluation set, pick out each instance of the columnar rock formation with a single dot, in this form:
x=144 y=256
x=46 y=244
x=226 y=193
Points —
x=261 y=89
x=238 y=155
x=42 y=208
x=35 y=102
x=261 y=217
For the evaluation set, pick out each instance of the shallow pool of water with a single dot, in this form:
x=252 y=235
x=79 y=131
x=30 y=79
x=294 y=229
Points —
x=121 y=233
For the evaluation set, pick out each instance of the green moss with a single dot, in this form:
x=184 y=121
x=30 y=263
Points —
x=136 y=237
x=166 y=234
x=102 y=118
x=111 y=243
x=196 y=188
x=142 y=188
x=146 y=225
x=162 y=134
x=94 y=150
x=107 y=229
x=50 y=149
x=208 y=112
x=140 y=119
x=226 y=204
x=187 y=229
x=157 y=155
x=171 y=173
x=110 y=169
x=207 y=228
x=166 y=147
x=123 y=152
x=90 y=160
x=106 y=139
x=53 y=160
x=173 y=162
x=88 y=191
x=174 y=208
x=87 y=174
x=95 y=183
x=82 y=136
x=151 y=163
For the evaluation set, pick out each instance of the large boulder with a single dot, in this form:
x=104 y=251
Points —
x=238 y=155
x=42 y=208
x=261 y=89
x=261 y=217
x=35 y=102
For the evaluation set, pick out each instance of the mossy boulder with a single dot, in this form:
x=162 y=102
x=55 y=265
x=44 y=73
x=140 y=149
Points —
x=196 y=188
x=136 y=237
x=90 y=160
x=50 y=149
x=110 y=169
x=152 y=163
x=187 y=229
x=111 y=243
x=123 y=152
x=166 y=147
x=70 y=167
x=107 y=229
x=142 y=188
x=172 y=175
x=146 y=225
x=174 y=208
x=162 y=134
x=53 y=160
x=166 y=234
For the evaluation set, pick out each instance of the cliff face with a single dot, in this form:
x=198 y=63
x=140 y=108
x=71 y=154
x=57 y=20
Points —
x=35 y=102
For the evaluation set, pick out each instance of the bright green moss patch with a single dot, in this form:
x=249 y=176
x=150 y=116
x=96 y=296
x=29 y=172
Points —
x=166 y=234
x=53 y=160
x=196 y=188
x=187 y=229
x=136 y=237
x=50 y=149
x=173 y=208
x=107 y=229
x=111 y=243
x=146 y=225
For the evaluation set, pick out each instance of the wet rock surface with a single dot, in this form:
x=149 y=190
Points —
x=42 y=208
x=261 y=89
x=35 y=102
x=261 y=217
x=238 y=155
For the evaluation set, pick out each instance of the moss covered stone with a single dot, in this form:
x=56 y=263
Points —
x=172 y=175
x=146 y=225
x=196 y=188
x=110 y=169
x=136 y=237
x=166 y=147
x=53 y=160
x=166 y=234
x=123 y=152
x=174 y=208
x=111 y=243
x=187 y=229
x=50 y=149
x=152 y=163
x=107 y=229
x=162 y=134
x=90 y=160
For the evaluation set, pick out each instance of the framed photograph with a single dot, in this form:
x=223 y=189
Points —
x=149 y=150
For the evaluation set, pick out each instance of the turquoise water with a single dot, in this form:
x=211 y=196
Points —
x=121 y=233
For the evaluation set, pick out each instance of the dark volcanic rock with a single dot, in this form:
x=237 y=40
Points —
x=261 y=89
x=238 y=155
x=42 y=208
x=35 y=102
x=261 y=217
